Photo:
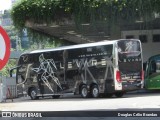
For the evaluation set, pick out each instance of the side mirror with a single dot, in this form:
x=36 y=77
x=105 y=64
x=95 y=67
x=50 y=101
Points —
x=10 y=72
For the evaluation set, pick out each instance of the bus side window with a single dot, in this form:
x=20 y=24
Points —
x=157 y=66
x=152 y=67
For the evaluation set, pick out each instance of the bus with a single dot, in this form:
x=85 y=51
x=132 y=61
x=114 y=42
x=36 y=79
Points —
x=103 y=68
x=152 y=73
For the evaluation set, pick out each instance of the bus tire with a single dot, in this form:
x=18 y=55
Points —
x=84 y=91
x=119 y=94
x=95 y=91
x=33 y=93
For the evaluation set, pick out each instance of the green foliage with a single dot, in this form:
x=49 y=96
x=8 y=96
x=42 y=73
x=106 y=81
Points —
x=40 y=11
x=111 y=12
x=5 y=71
x=48 y=11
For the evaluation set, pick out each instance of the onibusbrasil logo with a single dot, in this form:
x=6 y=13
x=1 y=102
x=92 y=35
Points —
x=4 y=48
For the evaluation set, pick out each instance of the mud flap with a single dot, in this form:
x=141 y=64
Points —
x=118 y=85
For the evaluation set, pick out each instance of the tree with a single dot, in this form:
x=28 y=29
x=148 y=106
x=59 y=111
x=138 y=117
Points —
x=47 y=11
x=5 y=71
x=111 y=12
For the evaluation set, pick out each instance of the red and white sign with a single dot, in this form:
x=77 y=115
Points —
x=4 y=48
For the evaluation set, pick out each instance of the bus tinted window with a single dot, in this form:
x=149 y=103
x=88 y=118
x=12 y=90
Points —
x=128 y=48
x=158 y=66
x=129 y=55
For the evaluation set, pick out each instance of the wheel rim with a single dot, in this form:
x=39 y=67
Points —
x=84 y=92
x=33 y=94
x=95 y=92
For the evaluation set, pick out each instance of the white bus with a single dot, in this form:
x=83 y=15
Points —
x=102 y=68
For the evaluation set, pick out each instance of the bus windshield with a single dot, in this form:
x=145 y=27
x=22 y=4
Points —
x=129 y=56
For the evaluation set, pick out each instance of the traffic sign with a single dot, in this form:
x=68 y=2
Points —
x=4 y=48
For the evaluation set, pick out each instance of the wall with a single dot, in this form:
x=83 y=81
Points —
x=149 y=48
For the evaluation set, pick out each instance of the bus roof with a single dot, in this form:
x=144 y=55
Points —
x=154 y=57
x=105 y=42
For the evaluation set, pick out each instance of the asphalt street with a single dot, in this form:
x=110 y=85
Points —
x=70 y=107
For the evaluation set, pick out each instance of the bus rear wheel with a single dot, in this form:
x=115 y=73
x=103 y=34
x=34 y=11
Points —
x=84 y=91
x=33 y=94
x=119 y=94
x=95 y=91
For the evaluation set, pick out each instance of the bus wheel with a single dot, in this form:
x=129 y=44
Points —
x=119 y=94
x=84 y=91
x=95 y=91
x=33 y=94
x=108 y=95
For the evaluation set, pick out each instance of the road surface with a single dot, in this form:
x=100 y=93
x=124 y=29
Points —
x=137 y=102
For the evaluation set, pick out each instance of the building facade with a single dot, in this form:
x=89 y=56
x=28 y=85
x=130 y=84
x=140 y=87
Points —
x=148 y=33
